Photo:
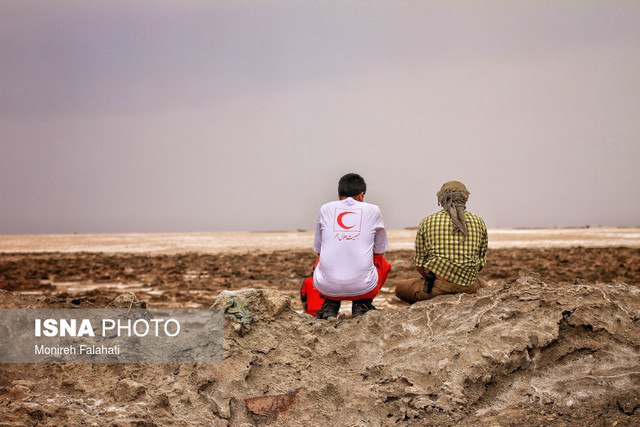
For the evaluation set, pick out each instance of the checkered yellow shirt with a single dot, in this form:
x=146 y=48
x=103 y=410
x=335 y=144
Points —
x=441 y=250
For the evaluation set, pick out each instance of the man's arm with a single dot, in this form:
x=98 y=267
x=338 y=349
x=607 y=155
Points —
x=317 y=241
x=421 y=249
x=484 y=244
x=380 y=240
x=380 y=245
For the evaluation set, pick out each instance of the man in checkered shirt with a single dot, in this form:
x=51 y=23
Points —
x=450 y=249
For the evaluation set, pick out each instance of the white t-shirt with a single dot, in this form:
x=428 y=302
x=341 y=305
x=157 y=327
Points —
x=348 y=233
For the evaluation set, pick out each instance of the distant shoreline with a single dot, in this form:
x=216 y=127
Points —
x=251 y=241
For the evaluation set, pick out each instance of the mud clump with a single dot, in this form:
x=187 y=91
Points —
x=128 y=390
x=128 y=301
x=269 y=407
x=523 y=353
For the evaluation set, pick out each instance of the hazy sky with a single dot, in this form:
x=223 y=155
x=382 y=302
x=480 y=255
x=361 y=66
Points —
x=120 y=116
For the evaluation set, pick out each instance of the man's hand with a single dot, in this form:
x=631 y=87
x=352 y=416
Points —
x=429 y=281
x=422 y=271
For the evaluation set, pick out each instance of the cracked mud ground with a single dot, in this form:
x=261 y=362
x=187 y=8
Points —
x=558 y=348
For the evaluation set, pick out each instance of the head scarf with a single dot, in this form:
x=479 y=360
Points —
x=453 y=198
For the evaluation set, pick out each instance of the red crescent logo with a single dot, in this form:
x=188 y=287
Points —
x=339 y=220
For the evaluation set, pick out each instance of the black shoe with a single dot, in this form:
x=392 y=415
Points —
x=329 y=309
x=361 y=306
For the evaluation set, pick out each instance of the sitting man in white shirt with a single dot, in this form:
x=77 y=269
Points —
x=350 y=242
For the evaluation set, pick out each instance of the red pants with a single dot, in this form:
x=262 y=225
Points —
x=383 y=267
x=310 y=297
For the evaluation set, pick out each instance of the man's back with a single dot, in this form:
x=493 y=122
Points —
x=443 y=250
x=348 y=234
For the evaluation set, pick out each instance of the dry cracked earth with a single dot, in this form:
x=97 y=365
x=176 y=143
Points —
x=555 y=340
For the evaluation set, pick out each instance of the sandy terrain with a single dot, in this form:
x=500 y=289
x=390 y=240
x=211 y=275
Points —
x=554 y=340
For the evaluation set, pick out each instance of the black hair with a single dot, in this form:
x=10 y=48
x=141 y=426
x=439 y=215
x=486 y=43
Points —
x=351 y=185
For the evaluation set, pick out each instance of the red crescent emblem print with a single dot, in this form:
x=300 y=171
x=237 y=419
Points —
x=339 y=220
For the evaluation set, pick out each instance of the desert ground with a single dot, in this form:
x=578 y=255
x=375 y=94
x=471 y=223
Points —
x=555 y=339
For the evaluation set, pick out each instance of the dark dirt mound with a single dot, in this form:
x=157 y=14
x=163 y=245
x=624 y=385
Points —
x=528 y=352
